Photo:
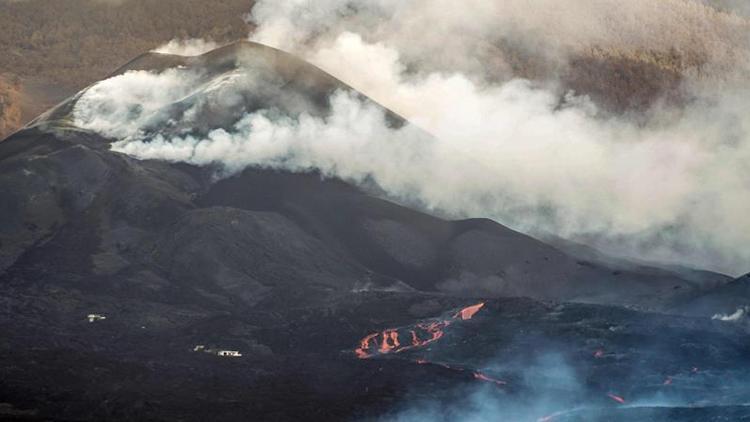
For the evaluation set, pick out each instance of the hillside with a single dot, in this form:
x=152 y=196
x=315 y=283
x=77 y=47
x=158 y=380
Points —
x=56 y=48
x=10 y=104
x=147 y=289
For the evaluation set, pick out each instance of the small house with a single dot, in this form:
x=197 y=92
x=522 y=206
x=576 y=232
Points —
x=95 y=317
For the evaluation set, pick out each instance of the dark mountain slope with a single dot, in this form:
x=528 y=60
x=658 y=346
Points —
x=464 y=257
x=83 y=212
x=725 y=299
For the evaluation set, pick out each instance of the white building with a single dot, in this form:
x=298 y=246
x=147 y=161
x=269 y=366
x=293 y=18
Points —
x=95 y=317
x=212 y=351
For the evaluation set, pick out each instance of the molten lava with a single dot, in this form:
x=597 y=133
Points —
x=616 y=398
x=469 y=311
x=419 y=335
x=390 y=341
x=482 y=377
x=440 y=364
x=476 y=374
x=364 y=344
x=433 y=329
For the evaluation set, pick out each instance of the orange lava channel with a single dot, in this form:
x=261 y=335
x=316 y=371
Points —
x=616 y=398
x=482 y=377
x=419 y=335
x=468 y=312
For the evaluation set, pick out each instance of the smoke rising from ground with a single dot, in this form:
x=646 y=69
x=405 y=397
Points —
x=187 y=47
x=488 y=39
x=672 y=189
x=554 y=388
x=737 y=315
x=454 y=73
x=552 y=380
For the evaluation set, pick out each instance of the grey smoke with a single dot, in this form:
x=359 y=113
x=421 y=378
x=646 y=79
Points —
x=555 y=390
x=674 y=189
x=552 y=379
x=435 y=36
x=737 y=315
x=186 y=47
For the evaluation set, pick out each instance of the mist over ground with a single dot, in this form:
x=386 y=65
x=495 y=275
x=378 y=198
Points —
x=661 y=179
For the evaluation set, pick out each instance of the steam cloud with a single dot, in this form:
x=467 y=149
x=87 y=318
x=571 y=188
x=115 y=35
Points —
x=737 y=315
x=556 y=389
x=673 y=189
x=187 y=47
x=547 y=375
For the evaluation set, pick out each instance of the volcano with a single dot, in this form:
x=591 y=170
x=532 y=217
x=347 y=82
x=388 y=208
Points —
x=124 y=280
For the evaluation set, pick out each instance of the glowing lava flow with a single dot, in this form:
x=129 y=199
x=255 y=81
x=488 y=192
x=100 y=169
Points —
x=476 y=374
x=443 y=365
x=616 y=398
x=419 y=335
x=469 y=311
x=364 y=344
x=390 y=341
x=482 y=377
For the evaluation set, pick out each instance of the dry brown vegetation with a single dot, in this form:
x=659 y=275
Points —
x=10 y=104
x=61 y=46
x=71 y=41
x=628 y=56
x=622 y=83
x=57 y=47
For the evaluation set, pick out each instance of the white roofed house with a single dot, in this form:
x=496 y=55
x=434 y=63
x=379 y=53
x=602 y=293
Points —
x=95 y=317
x=217 y=352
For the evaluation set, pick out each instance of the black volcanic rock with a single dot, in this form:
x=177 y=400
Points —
x=725 y=299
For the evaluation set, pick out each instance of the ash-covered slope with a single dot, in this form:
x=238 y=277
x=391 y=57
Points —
x=730 y=301
x=93 y=218
x=272 y=79
x=291 y=269
x=241 y=233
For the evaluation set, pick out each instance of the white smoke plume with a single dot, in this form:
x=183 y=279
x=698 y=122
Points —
x=737 y=315
x=674 y=189
x=121 y=106
x=186 y=47
x=546 y=375
x=484 y=38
